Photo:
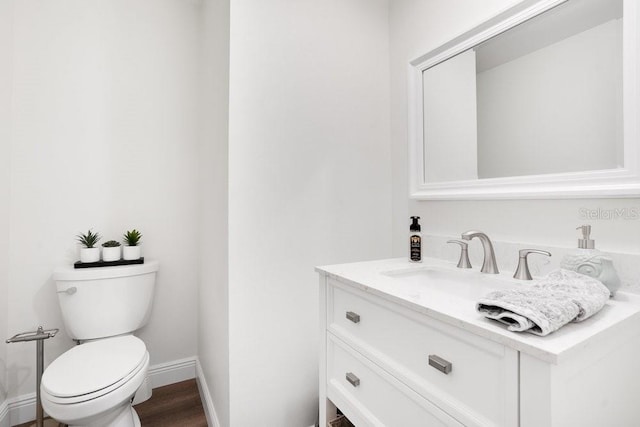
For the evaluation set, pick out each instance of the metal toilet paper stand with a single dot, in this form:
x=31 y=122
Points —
x=39 y=336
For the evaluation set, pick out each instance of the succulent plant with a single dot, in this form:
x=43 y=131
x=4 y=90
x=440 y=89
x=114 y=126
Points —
x=88 y=240
x=132 y=237
x=111 y=244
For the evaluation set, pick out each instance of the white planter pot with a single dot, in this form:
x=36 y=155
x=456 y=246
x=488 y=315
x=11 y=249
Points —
x=131 y=252
x=111 y=254
x=89 y=254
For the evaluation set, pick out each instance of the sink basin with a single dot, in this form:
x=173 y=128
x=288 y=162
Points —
x=452 y=283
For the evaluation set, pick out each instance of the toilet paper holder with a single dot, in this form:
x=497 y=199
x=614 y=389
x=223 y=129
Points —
x=39 y=336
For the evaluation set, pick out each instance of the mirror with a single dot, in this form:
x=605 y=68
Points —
x=539 y=102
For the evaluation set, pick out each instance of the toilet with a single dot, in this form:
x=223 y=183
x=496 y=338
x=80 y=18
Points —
x=94 y=382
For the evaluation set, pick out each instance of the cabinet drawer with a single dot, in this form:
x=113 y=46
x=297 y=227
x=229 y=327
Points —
x=371 y=397
x=479 y=390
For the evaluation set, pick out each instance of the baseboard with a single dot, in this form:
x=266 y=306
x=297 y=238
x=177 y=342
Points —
x=172 y=372
x=22 y=409
x=4 y=414
x=207 y=401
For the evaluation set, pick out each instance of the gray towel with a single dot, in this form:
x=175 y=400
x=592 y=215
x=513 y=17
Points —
x=561 y=297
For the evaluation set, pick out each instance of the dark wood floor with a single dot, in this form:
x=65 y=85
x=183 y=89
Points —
x=174 y=405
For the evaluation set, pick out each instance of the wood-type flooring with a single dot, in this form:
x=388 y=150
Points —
x=174 y=405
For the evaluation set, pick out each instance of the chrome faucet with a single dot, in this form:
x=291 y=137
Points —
x=522 y=272
x=489 y=262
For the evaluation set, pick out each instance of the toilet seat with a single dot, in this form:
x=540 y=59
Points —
x=94 y=369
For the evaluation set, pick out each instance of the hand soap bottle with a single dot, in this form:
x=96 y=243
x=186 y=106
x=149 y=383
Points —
x=415 y=240
x=590 y=261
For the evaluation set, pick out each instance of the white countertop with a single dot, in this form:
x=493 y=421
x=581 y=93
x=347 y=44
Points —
x=620 y=316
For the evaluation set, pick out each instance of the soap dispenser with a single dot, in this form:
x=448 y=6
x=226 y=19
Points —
x=588 y=260
x=415 y=240
x=586 y=242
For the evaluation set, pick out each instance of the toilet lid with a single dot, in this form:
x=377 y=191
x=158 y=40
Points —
x=93 y=366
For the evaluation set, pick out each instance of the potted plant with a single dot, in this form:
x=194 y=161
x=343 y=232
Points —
x=111 y=251
x=131 y=249
x=89 y=252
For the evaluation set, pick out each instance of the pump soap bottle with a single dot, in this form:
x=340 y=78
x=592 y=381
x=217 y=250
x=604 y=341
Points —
x=588 y=260
x=415 y=240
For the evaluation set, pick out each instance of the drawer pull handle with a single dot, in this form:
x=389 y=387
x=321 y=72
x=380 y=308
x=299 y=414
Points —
x=440 y=364
x=353 y=380
x=354 y=317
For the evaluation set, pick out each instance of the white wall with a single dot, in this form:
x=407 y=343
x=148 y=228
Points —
x=521 y=133
x=104 y=136
x=213 y=295
x=6 y=30
x=417 y=27
x=309 y=184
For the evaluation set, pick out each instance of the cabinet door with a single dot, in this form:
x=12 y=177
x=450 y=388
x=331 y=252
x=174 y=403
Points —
x=469 y=377
x=369 y=396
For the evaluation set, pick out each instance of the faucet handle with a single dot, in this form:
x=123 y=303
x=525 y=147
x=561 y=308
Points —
x=522 y=272
x=463 y=262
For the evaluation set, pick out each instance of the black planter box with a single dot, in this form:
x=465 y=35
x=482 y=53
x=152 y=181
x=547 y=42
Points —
x=79 y=264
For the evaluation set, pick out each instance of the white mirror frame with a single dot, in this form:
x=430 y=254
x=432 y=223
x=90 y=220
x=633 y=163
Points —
x=624 y=182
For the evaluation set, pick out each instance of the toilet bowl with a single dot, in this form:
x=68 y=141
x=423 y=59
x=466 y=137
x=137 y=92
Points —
x=92 y=384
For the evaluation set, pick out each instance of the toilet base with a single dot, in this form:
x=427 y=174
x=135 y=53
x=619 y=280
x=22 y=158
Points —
x=136 y=419
x=124 y=417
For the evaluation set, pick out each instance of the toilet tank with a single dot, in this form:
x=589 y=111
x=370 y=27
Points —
x=105 y=301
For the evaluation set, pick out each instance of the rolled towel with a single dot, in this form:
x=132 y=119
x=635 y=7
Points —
x=588 y=293
x=561 y=297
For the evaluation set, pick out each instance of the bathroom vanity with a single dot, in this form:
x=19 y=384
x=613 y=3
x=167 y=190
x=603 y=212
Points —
x=401 y=344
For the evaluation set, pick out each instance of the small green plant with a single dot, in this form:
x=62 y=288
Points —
x=88 y=240
x=132 y=238
x=111 y=244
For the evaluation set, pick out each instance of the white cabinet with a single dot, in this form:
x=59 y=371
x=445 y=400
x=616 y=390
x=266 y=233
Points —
x=373 y=396
x=385 y=363
x=482 y=385
x=391 y=347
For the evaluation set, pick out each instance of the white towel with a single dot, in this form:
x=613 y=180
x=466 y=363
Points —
x=561 y=297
